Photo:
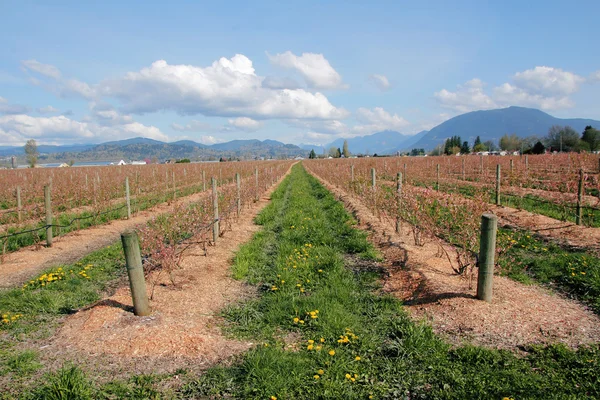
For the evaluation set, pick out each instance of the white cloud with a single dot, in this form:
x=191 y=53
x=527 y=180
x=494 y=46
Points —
x=210 y=140
x=548 y=81
x=331 y=127
x=314 y=68
x=57 y=84
x=229 y=87
x=47 y=110
x=8 y=108
x=541 y=87
x=380 y=81
x=467 y=97
x=47 y=70
x=20 y=128
x=594 y=76
x=275 y=82
x=245 y=123
x=106 y=115
x=507 y=95
x=192 y=126
x=378 y=119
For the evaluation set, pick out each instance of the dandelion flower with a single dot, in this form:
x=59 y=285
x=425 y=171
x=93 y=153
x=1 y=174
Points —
x=332 y=352
x=357 y=358
x=320 y=372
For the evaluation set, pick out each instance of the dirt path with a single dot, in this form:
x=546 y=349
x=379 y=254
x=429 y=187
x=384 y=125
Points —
x=184 y=328
x=518 y=316
x=22 y=264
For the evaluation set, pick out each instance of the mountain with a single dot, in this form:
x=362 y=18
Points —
x=143 y=148
x=493 y=124
x=385 y=142
x=316 y=147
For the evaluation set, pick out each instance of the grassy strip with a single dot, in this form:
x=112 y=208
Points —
x=529 y=202
x=326 y=333
x=528 y=259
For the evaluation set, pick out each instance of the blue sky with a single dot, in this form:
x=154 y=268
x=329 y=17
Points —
x=302 y=72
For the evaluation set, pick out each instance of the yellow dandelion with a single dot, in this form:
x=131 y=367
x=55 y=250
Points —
x=332 y=352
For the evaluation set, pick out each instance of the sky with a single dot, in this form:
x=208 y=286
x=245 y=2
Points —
x=299 y=72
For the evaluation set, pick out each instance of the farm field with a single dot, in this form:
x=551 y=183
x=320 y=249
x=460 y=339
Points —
x=90 y=196
x=314 y=305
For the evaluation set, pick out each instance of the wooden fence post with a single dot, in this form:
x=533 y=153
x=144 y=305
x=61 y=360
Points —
x=352 y=173
x=215 y=197
x=498 y=184
x=404 y=175
x=463 y=169
x=48 y=205
x=511 y=165
x=580 y=193
x=487 y=250
x=204 y=181
x=238 y=195
x=437 y=177
x=127 y=197
x=174 y=187
x=373 y=179
x=19 y=205
x=398 y=201
x=256 y=182
x=135 y=271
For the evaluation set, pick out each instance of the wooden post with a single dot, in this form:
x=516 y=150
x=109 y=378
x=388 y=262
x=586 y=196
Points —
x=481 y=164
x=127 y=197
x=352 y=173
x=174 y=187
x=580 y=192
x=19 y=205
x=526 y=164
x=216 y=210
x=256 y=182
x=238 y=195
x=437 y=177
x=487 y=250
x=511 y=165
x=498 y=184
x=48 y=205
x=135 y=271
x=404 y=175
x=398 y=201
x=204 y=181
x=373 y=179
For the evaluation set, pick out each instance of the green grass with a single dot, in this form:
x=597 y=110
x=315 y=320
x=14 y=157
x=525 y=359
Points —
x=528 y=259
x=343 y=312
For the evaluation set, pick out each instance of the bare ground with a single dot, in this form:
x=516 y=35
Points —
x=518 y=316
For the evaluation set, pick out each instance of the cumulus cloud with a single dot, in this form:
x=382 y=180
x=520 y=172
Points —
x=229 y=87
x=467 y=97
x=331 y=127
x=314 y=68
x=47 y=110
x=548 y=81
x=378 y=119
x=595 y=76
x=19 y=128
x=245 y=123
x=57 y=84
x=380 y=81
x=274 y=82
x=192 y=126
x=541 y=87
x=106 y=115
x=210 y=140
x=8 y=108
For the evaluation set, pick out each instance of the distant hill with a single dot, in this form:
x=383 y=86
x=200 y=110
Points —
x=493 y=124
x=143 y=148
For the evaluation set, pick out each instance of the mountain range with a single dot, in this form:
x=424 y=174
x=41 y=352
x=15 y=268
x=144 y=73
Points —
x=487 y=124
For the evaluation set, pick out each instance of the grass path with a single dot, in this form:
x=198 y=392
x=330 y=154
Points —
x=328 y=333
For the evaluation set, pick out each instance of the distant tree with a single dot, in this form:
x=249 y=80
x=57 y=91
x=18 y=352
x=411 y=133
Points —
x=312 y=154
x=438 y=151
x=538 y=148
x=184 y=161
x=562 y=138
x=452 y=145
x=464 y=149
x=345 y=150
x=591 y=136
x=510 y=143
x=332 y=152
x=477 y=145
x=417 y=152
x=71 y=163
x=31 y=152
x=490 y=145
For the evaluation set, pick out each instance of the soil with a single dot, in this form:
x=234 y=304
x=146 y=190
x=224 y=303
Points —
x=184 y=330
x=421 y=276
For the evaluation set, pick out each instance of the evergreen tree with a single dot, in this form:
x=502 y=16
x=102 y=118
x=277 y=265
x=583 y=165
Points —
x=345 y=150
x=464 y=149
x=312 y=154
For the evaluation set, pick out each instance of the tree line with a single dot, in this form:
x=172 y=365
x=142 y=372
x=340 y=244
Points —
x=559 y=138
